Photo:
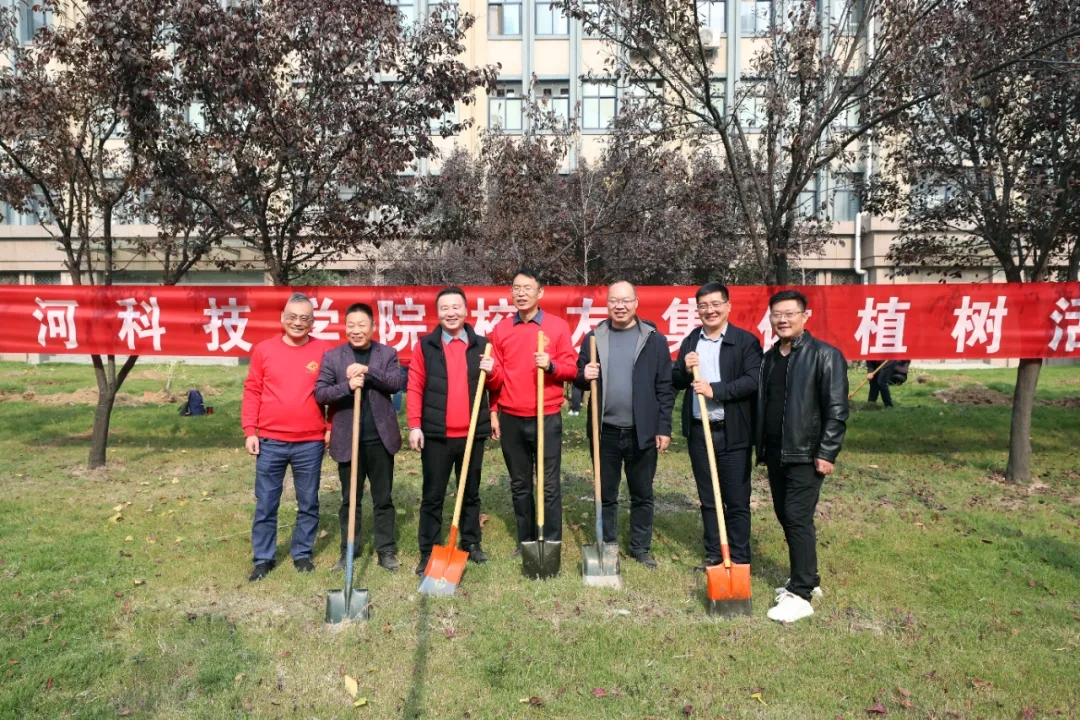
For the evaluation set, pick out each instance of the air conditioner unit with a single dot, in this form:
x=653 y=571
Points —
x=708 y=38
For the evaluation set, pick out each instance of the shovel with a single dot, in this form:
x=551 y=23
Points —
x=349 y=604
x=447 y=562
x=868 y=379
x=727 y=584
x=539 y=559
x=599 y=562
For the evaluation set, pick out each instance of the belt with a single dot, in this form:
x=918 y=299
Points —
x=606 y=426
x=714 y=424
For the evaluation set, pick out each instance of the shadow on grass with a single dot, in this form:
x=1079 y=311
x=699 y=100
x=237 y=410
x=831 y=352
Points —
x=414 y=703
x=1044 y=549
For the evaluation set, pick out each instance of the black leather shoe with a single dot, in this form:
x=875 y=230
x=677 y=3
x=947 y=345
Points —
x=423 y=564
x=476 y=554
x=708 y=563
x=304 y=565
x=646 y=560
x=389 y=561
x=260 y=571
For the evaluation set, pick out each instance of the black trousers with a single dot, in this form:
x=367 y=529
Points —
x=795 y=491
x=377 y=465
x=439 y=458
x=618 y=450
x=518 y=441
x=576 y=395
x=733 y=468
x=880 y=384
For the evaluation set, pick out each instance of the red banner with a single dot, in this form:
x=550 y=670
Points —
x=939 y=322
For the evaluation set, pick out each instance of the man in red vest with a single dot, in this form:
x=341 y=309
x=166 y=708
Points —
x=513 y=417
x=443 y=375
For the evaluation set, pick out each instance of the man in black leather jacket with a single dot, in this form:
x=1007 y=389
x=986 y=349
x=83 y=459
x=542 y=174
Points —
x=803 y=410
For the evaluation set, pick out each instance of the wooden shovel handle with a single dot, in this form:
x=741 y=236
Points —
x=354 y=464
x=540 y=440
x=714 y=473
x=868 y=379
x=594 y=406
x=469 y=443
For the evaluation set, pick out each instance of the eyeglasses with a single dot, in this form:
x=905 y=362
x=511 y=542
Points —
x=523 y=289
x=293 y=318
x=785 y=316
x=615 y=302
x=703 y=307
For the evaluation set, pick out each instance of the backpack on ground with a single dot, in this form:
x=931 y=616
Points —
x=900 y=370
x=194 y=404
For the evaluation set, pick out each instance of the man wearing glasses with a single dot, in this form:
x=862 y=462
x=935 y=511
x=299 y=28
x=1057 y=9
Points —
x=729 y=360
x=284 y=425
x=363 y=363
x=802 y=408
x=633 y=375
x=513 y=416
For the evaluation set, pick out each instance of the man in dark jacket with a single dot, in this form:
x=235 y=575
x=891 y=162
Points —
x=728 y=359
x=633 y=375
x=803 y=406
x=372 y=366
x=443 y=375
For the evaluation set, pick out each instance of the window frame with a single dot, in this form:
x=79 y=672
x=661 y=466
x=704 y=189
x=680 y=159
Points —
x=756 y=31
x=509 y=93
x=599 y=100
x=502 y=5
x=556 y=16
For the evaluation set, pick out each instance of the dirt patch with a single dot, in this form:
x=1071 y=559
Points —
x=1072 y=402
x=82 y=396
x=976 y=394
x=923 y=379
x=149 y=375
x=89 y=396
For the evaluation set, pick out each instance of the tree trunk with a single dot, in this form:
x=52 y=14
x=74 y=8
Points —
x=781 y=269
x=1027 y=379
x=109 y=382
x=1074 y=262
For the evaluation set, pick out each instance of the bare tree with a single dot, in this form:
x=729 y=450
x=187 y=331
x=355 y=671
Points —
x=987 y=173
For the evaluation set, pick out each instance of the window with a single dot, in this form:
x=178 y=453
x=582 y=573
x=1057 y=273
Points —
x=407 y=11
x=647 y=95
x=9 y=278
x=752 y=107
x=754 y=16
x=592 y=9
x=934 y=191
x=36 y=212
x=850 y=116
x=194 y=115
x=807 y=204
x=32 y=17
x=847 y=14
x=550 y=20
x=713 y=15
x=504 y=18
x=504 y=108
x=47 y=278
x=718 y=96
x=555 y=98
x=846 y=204
x=449 y=117
x=599 y=102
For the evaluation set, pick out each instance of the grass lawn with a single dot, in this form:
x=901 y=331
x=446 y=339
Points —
x=123 y=592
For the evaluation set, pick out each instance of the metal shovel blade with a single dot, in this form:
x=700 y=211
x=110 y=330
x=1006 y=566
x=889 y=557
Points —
x=600 y=566
x=338 y=610
x=728 y=589
x=541 y=559
x=444 y=570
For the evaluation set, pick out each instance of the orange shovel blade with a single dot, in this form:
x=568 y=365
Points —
x=728 y=583
x=446 y=563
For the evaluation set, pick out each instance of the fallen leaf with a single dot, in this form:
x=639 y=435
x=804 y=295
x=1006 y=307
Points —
x=687 y=710
x=145 y=482
x=118 y=594
x=1076 y=617
x=952 y=714
x=1028 y=713
x=137 y=583
x=757 y=696
x=118 y=508
x=49 y=684
x=351 y=685
x=483 y=519
x=599 y=692
x=878 y=709
x=977 y=683
x=386 y=628
x=239 y=677
x=284 y=654
x=903 y=691
x=1017 y=612
x=116 y=518
x=322 y=534
x=360 y=702
x=12 y=661
x=124 y=713
x=906 y=704
x=873 y=466
x=175 y=480
x=129 y=539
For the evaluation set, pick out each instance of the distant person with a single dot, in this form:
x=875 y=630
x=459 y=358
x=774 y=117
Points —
x=728 y=359
x=363 y=363
x=513 y=417
x=879 y=383
x=635 y=399
x=284 y=425
x=802 y=409
x=445 y=370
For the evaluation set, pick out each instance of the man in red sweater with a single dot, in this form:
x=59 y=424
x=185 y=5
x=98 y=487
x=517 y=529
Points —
x=284 y=425
x=513 y=417
x=443 y=376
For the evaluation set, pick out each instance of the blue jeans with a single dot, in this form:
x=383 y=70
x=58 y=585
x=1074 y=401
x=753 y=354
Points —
x=306 y=461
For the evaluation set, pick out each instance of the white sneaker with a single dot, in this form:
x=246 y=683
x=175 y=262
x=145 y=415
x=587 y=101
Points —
x=790 y=608
x=817 y=593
